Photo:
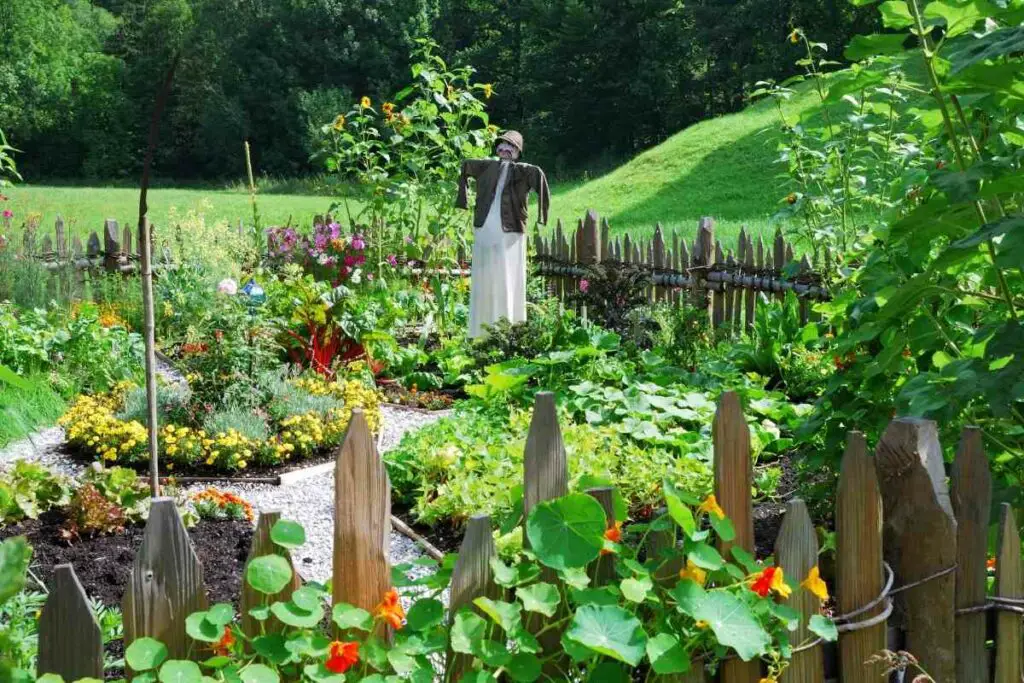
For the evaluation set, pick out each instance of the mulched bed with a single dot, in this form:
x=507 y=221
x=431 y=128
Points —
x=103 y=564
x=445 y=537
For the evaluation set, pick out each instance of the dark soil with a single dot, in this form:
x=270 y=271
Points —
x=445 y=537
x=104 y=563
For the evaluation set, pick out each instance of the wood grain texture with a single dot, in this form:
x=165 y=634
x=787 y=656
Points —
x=362 y=519
x=166 y=583
x=971 y=494
x=860 y=575
x=1009 y=584
x=718 y=295
x=589 y=246
x=471 y=578
x=731 y=437
x=920 y=540
x=749 y=295
x=796 y=551
x=250 y=598
x=70 y=640
x=545 y=470
x=602 y=570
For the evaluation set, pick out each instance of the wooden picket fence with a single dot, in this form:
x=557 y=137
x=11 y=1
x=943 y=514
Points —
x=703 y=274
x=114 y=254
x=893 y=510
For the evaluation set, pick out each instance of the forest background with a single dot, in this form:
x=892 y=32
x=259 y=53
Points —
x=589 y=82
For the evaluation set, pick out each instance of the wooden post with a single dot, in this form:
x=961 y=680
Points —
x=920 y=540
x=92 y=246
x=126 y=246
x=796 y=551
x=111 y=245
x=165 y=585
x=859 y=570
x=703 y=250
x=659 y=260
x=1009 y=584
x=588 y=250
x=730 y=292
x=718 y=295
x=362 y=519
x=149 y=339
x=70 y=640
x=471 y=578
x=602 y=570
x=972 y=503
x=250 y=598
x=58 y=229
x=731 y=437
x=750 y=296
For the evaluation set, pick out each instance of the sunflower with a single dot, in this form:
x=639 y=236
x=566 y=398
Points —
x=339 y=122
x=365 y=102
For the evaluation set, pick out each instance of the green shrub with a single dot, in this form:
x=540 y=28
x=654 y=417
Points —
x=29 y=489
x=172 y=403
x=23 y=408
x=243 y=420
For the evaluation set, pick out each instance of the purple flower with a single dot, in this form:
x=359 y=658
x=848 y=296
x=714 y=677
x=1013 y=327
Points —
x=584 y=285
x=392 y=261
x=358 y=243
x=8 y=213
x=408 y=240
x=369 y=277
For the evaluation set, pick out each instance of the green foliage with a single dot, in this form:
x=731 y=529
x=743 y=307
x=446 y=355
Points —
x=28 y=489
x=92 y=514
x=25 y=407
x=123 y=488
x=247 y=423
x=172 y=403
x=16 y=624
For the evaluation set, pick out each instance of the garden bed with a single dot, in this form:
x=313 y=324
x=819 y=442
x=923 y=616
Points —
x=103 y=563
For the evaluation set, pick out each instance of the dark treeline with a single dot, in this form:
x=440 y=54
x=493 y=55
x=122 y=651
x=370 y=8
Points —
x=589 y=82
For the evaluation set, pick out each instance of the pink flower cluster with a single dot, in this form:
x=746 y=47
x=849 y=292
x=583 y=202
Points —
x=327 y=252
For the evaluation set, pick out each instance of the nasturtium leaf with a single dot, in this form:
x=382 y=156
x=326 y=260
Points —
x=610 y=631
x=15 y=555
x=290 y=614
x=145 y=654
x=539 y=597
x=733 y=624
x=271 y=647
x=745 y=559
x=404 y=664
x=346 y=616
x=47 y=678
x=688 y=595
x=504 y=614
x=493 y=653
x=873 y=45
x=287 y=534
x=704 y=556
x=467 y=630
x=576 y=651
x=594 y=596
x=667 y=655
x=525 y=641
x=635 y=590
x=567 y=532
x=321 y=674
x=824 y=627
x=424 y=613
x=199 y=627
x=260 y=612
x=523 y=667
x=259 y=673
x=610 y=672
x=307 y=599
x=503 y=574
x=723 y=527
x=180 y=671
x=576 y=577
x=220 y=614
x=218 y=662
x=268 y=574
x=680 y=513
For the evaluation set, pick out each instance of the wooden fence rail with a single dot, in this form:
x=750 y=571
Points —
x=910 y=559
x=112 y=253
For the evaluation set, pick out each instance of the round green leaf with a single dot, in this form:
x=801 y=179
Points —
x=505 y=614
x=50 y=678
x=221 y=614
x=306 y=598
x=180 y=671
x=610 y=631
x=704 y=556
x=468 y=630
x=635 y=590
x=539 y=597
x=524 y=667
x=346 y=616
x=823 y=627
x=260 y=612
x=271 y=647
x=667 y=655
x=199 y=627
x=259 y=673
x=292 y=615
x=145 y=654
x=610 y=672
x=269 y=574
x=567 y=532
x=424 y=613
x=287 y=534
x=733 y=623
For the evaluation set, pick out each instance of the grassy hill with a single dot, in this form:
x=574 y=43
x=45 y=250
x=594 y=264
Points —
x=723 y=167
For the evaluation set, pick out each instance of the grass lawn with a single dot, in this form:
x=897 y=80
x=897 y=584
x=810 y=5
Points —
x=723 y=167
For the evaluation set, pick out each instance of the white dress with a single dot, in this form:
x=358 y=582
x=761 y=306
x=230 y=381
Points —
x=498 y=269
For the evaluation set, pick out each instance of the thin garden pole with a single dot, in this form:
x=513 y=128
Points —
x=146 y=268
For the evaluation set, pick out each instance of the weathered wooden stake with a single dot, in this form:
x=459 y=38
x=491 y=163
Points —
x=70 y=640
x=1009 y=584
x=796 y=551
x=250 y=598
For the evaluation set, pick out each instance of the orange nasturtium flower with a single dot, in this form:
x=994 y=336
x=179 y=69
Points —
x=390 y=609
x=223 y=646
x=341 y=656
x=711 y=506
x=990 y=563
x=769 y=580
x=365 y=102
x=613 y=534
x=815 y=584
x=693 y=573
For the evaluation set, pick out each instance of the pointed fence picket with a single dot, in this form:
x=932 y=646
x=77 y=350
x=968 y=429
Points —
x=907 y=557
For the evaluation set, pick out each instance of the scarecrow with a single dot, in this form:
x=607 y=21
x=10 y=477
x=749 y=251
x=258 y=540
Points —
x=499 y=246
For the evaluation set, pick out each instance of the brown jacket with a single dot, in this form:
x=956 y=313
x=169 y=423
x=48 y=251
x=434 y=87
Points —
x=521 y=179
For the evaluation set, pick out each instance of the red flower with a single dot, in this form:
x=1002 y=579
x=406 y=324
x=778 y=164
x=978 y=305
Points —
x=218 y=335
x=223 y=646
x=613 y=534
x=390 y=610
x=341 y=656
x=768 y=580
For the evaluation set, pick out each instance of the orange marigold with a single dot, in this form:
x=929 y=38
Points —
x=390 y=610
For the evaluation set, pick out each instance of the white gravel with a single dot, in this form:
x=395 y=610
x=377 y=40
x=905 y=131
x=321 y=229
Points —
x=43 y=447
